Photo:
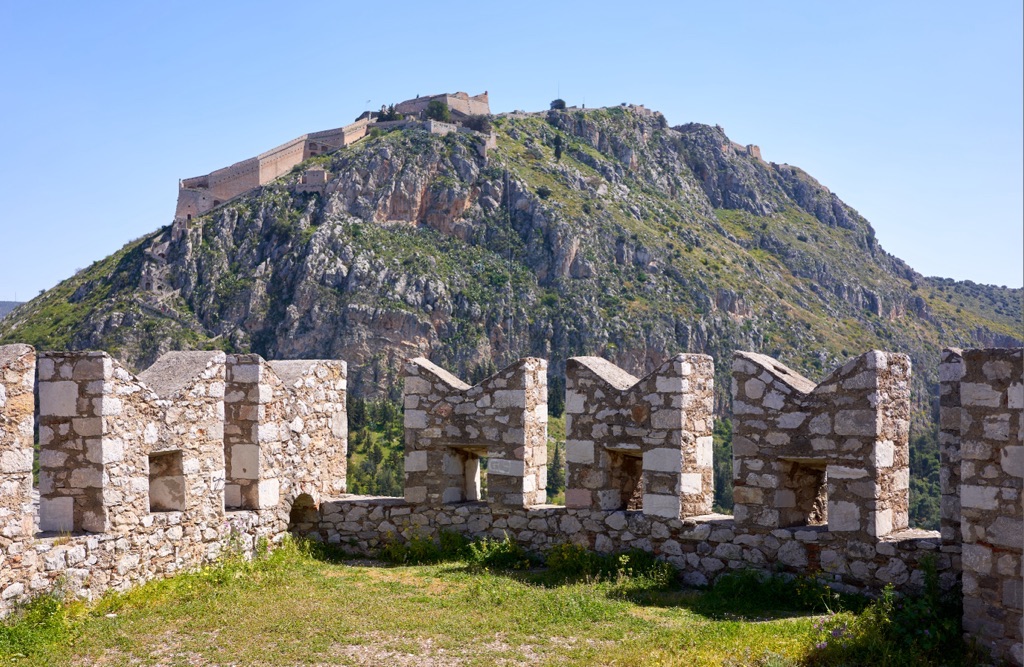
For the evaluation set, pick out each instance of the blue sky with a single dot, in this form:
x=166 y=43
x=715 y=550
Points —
x=911 y=112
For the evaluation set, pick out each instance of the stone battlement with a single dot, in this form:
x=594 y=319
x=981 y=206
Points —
x=142 y=476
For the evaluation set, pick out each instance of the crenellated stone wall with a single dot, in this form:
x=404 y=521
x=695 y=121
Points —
x=132 y=471
x=859 y=413
x=449 y=426
x=991 y=434
x=136 y=471
x=651 y=437
x=286 y=430
x=834 y=454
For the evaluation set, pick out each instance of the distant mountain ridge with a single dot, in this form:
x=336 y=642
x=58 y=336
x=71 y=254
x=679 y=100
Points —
x=8 y=306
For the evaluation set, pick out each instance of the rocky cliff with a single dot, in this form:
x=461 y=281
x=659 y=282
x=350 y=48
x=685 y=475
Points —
x=641 y=241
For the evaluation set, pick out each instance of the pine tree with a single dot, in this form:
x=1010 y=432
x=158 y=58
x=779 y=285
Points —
x=556 y=471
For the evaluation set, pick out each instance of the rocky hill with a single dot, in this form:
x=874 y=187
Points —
x=642 y=240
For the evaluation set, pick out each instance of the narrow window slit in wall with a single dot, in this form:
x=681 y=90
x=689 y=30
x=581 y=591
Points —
x=166 y=482
x=462 y=467
x=802 y=499
x=625 y=471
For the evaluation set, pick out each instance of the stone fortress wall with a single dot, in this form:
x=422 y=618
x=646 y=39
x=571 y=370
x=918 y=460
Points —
x=144 y=476
x=201 y=194
x=133 y=483
x=198 y=195
x=460 y=104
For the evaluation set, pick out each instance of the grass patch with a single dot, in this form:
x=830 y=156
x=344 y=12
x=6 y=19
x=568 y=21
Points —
x=306 y=604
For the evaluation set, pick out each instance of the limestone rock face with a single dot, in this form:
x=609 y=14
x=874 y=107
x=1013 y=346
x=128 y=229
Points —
x=642 y=241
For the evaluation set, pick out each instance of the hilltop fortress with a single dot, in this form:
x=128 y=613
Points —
x=201 y=194
x=205 y=452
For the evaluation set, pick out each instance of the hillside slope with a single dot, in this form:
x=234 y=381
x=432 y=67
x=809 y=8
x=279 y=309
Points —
x=641 y=241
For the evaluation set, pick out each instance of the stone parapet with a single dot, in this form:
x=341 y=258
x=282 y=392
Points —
x=449 y=426
x=647 y=437
x=286 y=431
x=991 y=433
x=951 y=370
x=132 y=471
x=701 y=548
x=17 y=417
x=834 y=454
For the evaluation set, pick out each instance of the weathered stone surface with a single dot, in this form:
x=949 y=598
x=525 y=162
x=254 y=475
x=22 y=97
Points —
x=631 y=438
x=852 y=425
x=145 y=471
x=504 y=418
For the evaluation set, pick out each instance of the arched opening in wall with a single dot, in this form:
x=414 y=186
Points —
x=304 y=517
x=802 y=496
x=625 y=479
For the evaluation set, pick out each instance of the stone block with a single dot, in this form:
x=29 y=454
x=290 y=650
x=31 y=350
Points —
x=574 y=402
x=1006 y=532
x=508 y=467
x=978 y=394
x=742 y=446
x=663 y=459
x=691 y=483
x=269 y=493
x=416 y=385
x=977 y=558
x=579 y=451
x=416 y=419
x=1015 y=396
x=843 y=516
x=1012 y=460
x=16 y=461
x=416 y=462
x=668 y=385
x=56 y=515
x=705 y=451
x=58 y=399
x=844 y=472
x=979 y=497
x=882 y=524
x=883 y=454
x=997 y=427
x=232 y=495
x=509 y=398
x=245 y=461
x=857 y=422
x=659 y=505
x=791 y=420
x=748 y=495
x=667 y=419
